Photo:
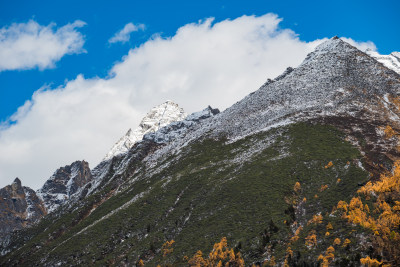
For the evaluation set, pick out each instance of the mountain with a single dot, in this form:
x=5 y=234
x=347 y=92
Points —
x=104 y=172
x=391 y=61
x=19 y=207
x=65 y=182
x=278 y=177
x=66 y=185
x=178 y=129
x=156 y=118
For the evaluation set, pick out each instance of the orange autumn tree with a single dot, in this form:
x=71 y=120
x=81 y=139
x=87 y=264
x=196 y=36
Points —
x=297 y=187
x=323 y=188
x=311 y=239
x=383 y=219
x=328 y=257
x=167 y=247
x=337 y=241
x=370 y=262
x=389 y=132
x=220 y=255
x=330 y=164
x=317 y=219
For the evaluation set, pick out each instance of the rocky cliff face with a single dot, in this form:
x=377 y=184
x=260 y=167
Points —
x=19 y=207
x=64 y=183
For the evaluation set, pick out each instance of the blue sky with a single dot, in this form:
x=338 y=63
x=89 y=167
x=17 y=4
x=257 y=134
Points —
x=281 y=39
x=377 y=21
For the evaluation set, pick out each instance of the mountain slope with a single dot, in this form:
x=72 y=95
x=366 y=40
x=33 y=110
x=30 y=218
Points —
x=336 y=80
x=265 y=173
x=210 y=192
x=68 y=180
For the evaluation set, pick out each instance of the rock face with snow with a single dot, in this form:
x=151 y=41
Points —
x=64 y=183
x=178 y=129
x=156 y=118
x=335 y=79
x=154 y=136
x=19 y=207
x=391 y=61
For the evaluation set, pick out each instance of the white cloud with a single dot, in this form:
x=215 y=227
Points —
x=363 y=46
x=30 y=45
x=124 y=35
x=203 y=63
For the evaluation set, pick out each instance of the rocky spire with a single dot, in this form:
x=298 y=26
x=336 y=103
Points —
x=64 y=183
x=17 y=186
x=19 y=207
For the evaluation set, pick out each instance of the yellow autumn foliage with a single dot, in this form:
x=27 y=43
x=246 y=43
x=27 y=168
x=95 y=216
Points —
x=323 y=188
x=330 y=164
x=384 y=219
x=167 y=247
x=346 y=242
x=370 y=262
x=311 y=239
x=389 y=132
x=297 y=187
x=220 y=255
x=317 y=219
x=328 y=257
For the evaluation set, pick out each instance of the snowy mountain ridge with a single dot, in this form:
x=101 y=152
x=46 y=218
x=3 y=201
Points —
x=157 y=117
x=178 y=129
x=164 y=135
x=391 y=61
x=336 y=79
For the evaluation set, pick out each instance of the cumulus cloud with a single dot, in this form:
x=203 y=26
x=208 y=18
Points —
x=216 y=63
x=363 y=46
x=30 y=45
x=124 y=35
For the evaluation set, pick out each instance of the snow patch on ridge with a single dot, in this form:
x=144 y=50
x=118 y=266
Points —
x=156 y=118
x=391 y=61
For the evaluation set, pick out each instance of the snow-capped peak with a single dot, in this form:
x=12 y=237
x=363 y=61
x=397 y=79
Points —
x=155 y=119
x=333 y=45
x=391 y=61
